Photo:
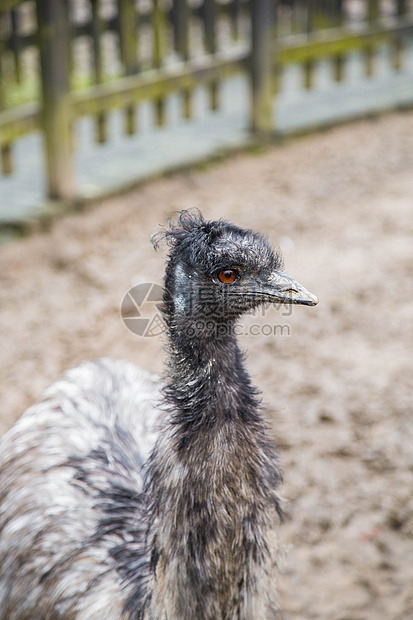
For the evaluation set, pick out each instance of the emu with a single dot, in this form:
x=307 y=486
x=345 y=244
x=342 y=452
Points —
x=126 y=496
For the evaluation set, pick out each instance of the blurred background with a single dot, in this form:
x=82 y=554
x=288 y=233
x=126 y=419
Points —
x=113 y=113
x=96 y=95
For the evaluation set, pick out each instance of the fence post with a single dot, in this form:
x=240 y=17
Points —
x=53 y=23
x=262 y=60
x=129 y=52
x=6 y=163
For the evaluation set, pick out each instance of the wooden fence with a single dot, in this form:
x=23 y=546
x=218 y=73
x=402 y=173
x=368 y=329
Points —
x=61 y=60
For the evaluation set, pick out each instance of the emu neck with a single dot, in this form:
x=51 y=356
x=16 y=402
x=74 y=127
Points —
x=212 y=483
x=208 y=381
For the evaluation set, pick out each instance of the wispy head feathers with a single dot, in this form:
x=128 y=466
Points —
x=180 y=226
x=190 y=235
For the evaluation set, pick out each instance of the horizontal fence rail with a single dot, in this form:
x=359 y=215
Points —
x=63 y=60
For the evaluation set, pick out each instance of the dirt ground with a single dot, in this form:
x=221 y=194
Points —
x=336 y=380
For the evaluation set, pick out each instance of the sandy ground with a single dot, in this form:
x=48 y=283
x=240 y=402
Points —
x=337 y=383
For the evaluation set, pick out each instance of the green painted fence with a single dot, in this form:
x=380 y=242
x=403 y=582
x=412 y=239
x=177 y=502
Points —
x=61 y=60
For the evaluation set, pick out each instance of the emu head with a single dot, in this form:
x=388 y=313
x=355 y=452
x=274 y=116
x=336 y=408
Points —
x=217 y=271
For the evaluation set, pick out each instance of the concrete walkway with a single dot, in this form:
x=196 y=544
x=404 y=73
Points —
x=123 y=159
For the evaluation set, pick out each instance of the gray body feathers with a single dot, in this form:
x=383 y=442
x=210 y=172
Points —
x=91 y=433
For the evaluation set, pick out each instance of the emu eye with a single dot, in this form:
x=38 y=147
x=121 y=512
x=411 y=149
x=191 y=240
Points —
x=227 y=276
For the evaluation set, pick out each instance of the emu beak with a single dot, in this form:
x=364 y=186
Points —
x=284 y=289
